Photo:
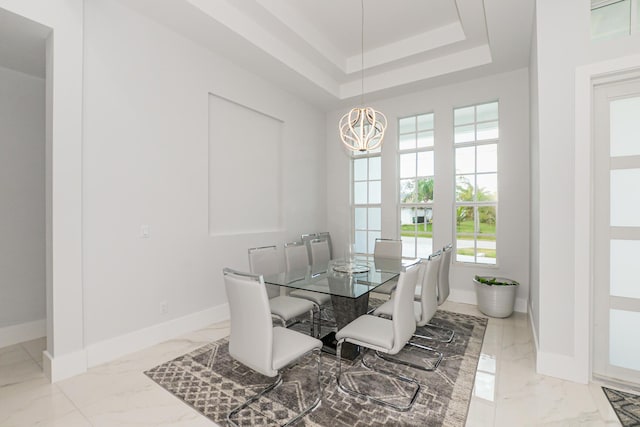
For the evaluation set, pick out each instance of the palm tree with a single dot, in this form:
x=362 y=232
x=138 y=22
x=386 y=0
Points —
x=421 y=193
x=465 y=193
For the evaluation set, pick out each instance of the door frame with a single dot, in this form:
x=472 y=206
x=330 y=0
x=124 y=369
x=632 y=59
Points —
x=603 y=370
x=587 y=77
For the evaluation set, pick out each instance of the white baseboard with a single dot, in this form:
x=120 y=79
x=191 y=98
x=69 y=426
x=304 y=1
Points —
x=107 y=350
x=469 y=297
x=14 y=334
x=560 y=366
x=556 y=365
x=64 y=366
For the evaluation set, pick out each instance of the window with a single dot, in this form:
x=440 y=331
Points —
x=415 y=149
x=476 y=134
x=367 y=195
x=614 y=18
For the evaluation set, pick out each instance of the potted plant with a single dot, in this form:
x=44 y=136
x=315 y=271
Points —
x=496 y=295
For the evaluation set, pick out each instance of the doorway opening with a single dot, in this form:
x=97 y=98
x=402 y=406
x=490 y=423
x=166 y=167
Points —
x=23 y=187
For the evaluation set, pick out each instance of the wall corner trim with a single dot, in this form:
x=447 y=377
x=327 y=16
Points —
x=64 y=366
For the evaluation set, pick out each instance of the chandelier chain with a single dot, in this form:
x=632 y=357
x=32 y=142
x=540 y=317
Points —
x=362 y=55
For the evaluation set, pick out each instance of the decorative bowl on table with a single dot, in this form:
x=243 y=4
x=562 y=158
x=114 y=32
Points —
x=350 y=267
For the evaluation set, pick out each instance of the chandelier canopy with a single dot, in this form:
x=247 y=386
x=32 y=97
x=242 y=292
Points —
x=362 y=129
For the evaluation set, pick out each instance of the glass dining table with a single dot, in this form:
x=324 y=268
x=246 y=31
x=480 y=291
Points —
x=349 y=284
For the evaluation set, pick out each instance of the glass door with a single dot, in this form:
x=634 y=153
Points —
x=616 y=266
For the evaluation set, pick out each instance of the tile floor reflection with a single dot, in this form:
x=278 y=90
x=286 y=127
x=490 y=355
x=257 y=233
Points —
x=507 y=390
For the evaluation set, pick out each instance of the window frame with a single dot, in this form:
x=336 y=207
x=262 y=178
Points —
x=633 y=18
x=429 y=205
x=475 y=204
x=371 y=234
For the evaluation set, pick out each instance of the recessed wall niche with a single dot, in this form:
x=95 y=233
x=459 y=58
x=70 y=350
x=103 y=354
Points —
x=244 y=169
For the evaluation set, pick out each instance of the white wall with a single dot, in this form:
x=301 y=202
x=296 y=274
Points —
x=22 y=217
x=512 y=90
x=145 y=161
x=563 y=45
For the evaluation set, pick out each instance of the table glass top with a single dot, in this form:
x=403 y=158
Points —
x=347 y=279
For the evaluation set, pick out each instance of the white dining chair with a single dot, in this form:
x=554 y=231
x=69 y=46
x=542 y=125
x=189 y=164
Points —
x=443 y=274
x=384 y=335
x=320 y=254
x=306 y=239
x=297 y=260
x=255 y=343
x=387 y=249
x=264 y=260
x=326 y=236
x=443 y=291
x=424 y=309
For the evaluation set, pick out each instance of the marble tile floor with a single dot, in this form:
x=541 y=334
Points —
x=507 y=390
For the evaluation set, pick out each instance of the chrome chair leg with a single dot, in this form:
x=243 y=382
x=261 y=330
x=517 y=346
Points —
x=281 y=319
x=312 y=320
x=433 y=366
x=276 y=383
x=318 y=399
x=252 y=399
x=391 y=374
x=447 y=340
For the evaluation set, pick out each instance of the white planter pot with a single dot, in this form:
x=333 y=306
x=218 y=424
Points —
x=496 y=300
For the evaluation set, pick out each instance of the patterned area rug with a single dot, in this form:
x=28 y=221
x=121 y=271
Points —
x=625 y=405
x=212 y=382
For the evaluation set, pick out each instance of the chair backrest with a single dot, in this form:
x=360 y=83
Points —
x=429 y=284
x=325 y=235
x=320 y=254
x=295 y=256
x=404 y=320
x=443 y=274
x=251 y=339
x=306 y=239
x=387 y=248
x=264 y=260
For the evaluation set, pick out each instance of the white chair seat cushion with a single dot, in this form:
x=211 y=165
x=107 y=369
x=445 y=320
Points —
x=288 y=307
x=289 y=345
x=387 y=288
x=386 y=309
x=316 y=297
x=369 y=331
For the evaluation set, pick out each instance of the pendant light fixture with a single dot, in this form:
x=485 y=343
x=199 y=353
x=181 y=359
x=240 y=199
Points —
x=362 y=129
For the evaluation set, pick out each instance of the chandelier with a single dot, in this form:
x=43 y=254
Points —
x=362 y=129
